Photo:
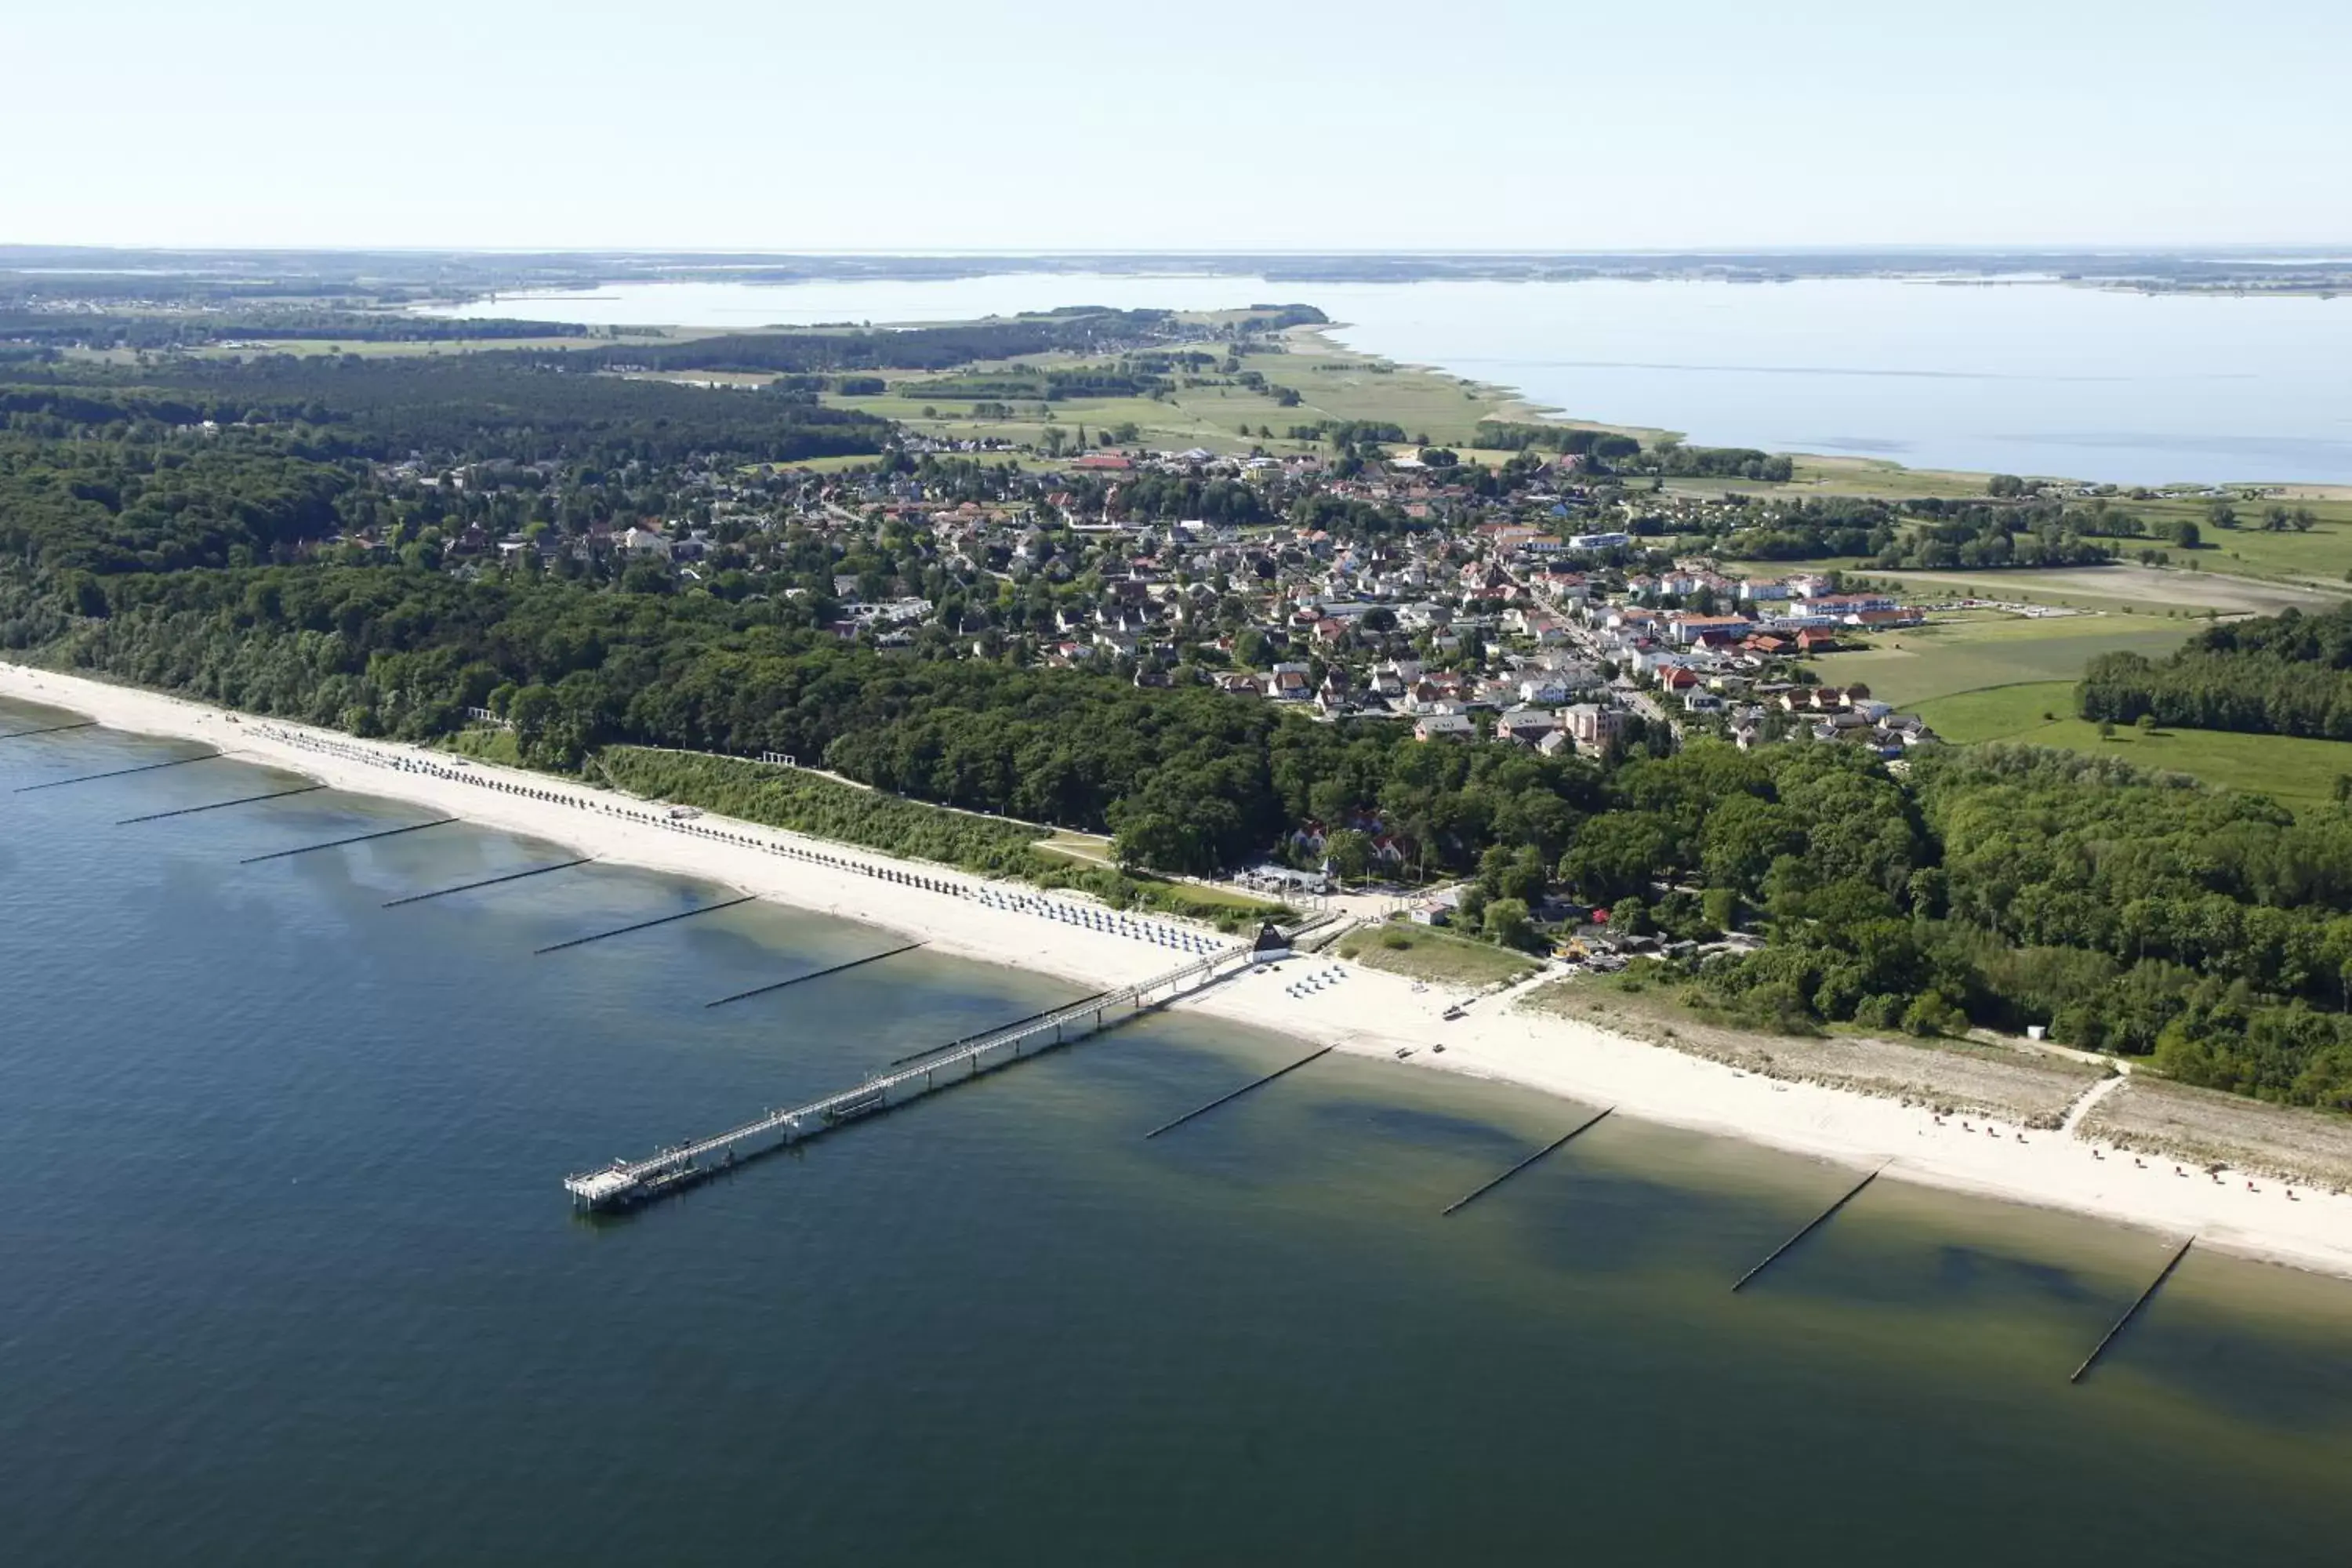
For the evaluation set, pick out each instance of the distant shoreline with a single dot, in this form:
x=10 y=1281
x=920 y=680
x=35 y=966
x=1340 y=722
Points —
x=1954 y=483
x=1850 y=472
x=1366 y=1011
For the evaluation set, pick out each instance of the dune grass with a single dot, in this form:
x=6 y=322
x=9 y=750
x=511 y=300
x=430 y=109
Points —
x=1426 y=954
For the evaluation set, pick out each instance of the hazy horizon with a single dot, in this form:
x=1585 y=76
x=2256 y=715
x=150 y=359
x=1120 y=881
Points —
x=1314 y=128
x=2236 y=249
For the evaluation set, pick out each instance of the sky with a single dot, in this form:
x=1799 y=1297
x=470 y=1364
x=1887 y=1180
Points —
x=1210 y=124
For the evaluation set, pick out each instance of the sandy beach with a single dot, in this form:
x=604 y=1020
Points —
x=1321 y=1000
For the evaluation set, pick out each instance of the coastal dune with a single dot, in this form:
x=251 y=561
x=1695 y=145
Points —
x=1321 y=1000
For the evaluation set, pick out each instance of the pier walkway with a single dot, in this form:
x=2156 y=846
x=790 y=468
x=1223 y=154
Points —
x=625 y=1183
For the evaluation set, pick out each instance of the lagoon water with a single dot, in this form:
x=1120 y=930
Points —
x=2015 y=376
x=287 y=1276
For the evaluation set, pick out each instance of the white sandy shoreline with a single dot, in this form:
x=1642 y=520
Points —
x=1366 y=1011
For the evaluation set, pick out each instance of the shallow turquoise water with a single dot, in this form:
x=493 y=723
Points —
x=288 y=1277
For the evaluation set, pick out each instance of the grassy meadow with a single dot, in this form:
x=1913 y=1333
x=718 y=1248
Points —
x=1224 y=416
x=1970 y=650
x=2322 y=555
x=2290 y=769
x=2121 y=588
x=1433 y=955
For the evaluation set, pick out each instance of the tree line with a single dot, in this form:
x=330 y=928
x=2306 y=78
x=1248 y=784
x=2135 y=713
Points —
x=2289 y=674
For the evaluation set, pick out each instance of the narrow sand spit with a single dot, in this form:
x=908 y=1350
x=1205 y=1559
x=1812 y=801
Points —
x=1325 y=1000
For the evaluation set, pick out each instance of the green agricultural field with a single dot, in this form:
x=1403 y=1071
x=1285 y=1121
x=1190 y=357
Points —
x=2000 y=712
x=2150 y=589
x=842 y=461
x=2288 y=768
x=1336 y=383
x=1198 y=417
x=2322 y=555
x=1972 y=651
x=2122 y=587
x=1331 y=383
x=1868 y=477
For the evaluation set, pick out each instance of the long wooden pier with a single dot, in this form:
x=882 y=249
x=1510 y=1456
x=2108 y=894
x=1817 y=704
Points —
x=628 y=1183
x=1081 y=1003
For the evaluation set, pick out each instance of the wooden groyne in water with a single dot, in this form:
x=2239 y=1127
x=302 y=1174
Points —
x=488 y=882
x=628 y=1183
x=354 y=839
x=115 y=772
x=1818 y=1221
x=2131 y=1311
x=223 y=804
x=819 y=975
x=1230 y=1095
x=647 y=925
x=1558 y=1142
x=50 y=730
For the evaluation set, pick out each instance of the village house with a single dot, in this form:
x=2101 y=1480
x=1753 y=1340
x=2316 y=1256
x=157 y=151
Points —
x=1593 y=726
x=1696 y=628
x=1528 y=725
x=1443 y=727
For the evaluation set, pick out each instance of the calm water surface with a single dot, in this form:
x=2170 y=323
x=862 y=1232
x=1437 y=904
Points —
x=287 y=1276
x=2018 y=377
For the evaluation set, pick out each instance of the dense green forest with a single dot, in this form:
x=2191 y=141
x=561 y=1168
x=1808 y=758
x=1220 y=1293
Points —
x=2004 y=887
x=1922 y=535
x=2288 y=675
x=1675 y=460
x=2010 y=886
x=471 y=408
x=1506 y=434
x=1048 y=386
x=1075 y=331
x=61 y=329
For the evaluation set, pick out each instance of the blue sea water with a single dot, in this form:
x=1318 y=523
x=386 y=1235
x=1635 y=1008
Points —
x=286 y=1274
